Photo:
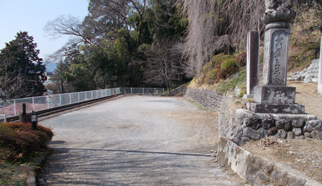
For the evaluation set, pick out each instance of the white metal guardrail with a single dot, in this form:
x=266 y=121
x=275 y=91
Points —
x=45 y=102
x=3 y=117
x=142 y=91
x=14 y=107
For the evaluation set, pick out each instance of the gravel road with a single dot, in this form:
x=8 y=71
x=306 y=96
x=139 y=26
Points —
x=136 y=140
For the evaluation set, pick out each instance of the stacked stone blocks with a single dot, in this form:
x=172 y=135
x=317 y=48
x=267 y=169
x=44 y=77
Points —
x=248 y=126
x=209 y=99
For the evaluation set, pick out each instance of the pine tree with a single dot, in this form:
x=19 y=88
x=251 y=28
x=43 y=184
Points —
x=21 y=70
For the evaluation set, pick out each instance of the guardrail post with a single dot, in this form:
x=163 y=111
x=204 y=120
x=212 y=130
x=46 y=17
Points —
x=14 y=107
x=60 y=97
x=143 y=90
x=70 y=98
x=33 y=103
x=48 y=101
x=78 y=97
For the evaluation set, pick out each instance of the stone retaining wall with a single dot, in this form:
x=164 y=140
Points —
x=310 y=74
x=209 y=99
x=241 y=125
x=258 y=170
x=237 y=126
x=180 y=91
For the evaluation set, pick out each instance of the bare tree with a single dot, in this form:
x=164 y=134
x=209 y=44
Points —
x=163 y=63
x=69 y=25
x=12 y=86
x=216 y=26
x=103 y=21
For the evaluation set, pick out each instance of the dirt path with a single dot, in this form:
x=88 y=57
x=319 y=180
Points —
x=306 y=94
x=136 y=140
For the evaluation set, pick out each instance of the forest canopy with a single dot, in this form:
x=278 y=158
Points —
x=152 y=42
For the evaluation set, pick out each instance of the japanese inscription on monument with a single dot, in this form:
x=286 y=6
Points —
x=279 y=58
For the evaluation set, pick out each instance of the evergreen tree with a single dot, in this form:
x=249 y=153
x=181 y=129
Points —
x=21 y=70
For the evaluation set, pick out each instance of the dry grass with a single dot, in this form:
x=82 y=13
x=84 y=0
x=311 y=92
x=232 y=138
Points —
x=13 y=174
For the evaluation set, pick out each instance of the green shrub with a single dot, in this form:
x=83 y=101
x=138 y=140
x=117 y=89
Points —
x=206 y=67
x=211 y=76
x=228 y=63
x=217 y=59
x=19 y=142
x=238 y=80
x=243 y=92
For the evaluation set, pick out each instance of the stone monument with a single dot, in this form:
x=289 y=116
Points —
x=252 y=62
x=274 y=111
x=274 y=96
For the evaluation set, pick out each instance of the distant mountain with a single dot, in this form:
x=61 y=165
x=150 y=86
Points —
x=50 y=67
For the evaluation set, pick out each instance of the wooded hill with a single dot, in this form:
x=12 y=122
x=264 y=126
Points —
x=165 y=43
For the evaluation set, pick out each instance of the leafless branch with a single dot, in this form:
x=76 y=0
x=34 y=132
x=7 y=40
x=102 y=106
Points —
x=217 y=25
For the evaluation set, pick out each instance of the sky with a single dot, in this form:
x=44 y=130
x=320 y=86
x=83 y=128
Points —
x=32 y=16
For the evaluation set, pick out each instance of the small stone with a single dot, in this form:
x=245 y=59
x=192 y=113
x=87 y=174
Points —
x=272 y=131
x=290 y=135
x=254 y=123
x=251 y=133
x=280 y=124
x=298 y=123
x=297 y=131
x=288 y=126
x=308 y=135
x=314 y=123
x=263 y=179
x=317 y=134
x=268 y=123
x=300 y=137
x=297 y=181
x=291 y=153
x=263 y=132
x=308 y=128
x=318 y=127
x=281 y=134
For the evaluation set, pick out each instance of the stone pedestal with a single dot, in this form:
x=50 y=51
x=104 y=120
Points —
x=275 y=99
x=275 y=108
x=252 y=62
x=273 y=94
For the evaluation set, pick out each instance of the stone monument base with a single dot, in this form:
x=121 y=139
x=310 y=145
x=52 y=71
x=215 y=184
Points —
x=274 y=94
x=248 y=125
x=275 y=108
x=275 y=99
